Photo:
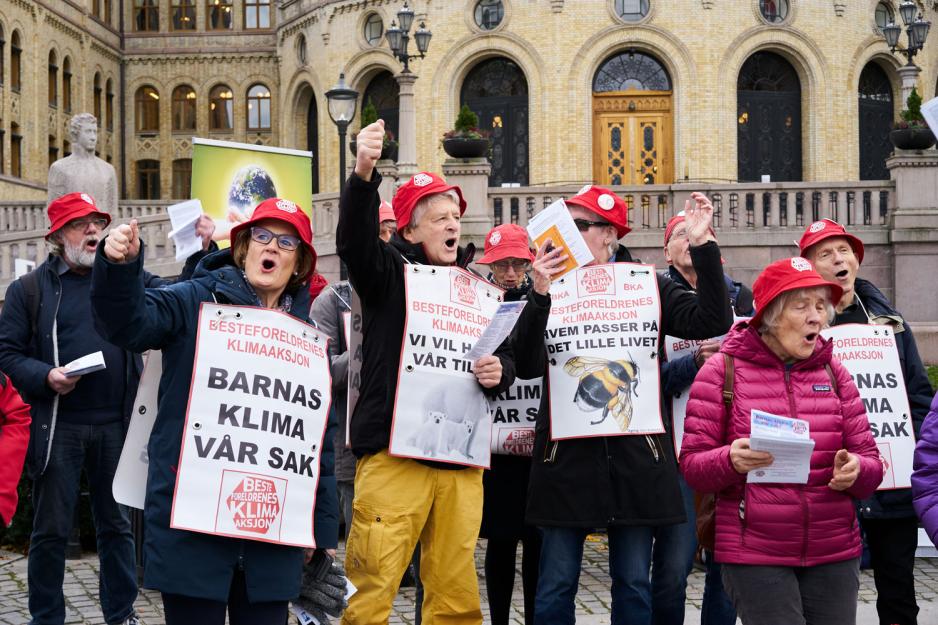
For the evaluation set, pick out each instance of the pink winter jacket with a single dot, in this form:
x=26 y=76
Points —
x=779 y=524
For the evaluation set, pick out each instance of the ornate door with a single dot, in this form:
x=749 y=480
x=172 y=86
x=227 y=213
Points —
x=632 y=146
x=876 y=116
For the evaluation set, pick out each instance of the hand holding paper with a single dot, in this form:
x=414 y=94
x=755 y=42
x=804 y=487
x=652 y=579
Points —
x=744 y=459
x=86 y=364
x=555 y=224
x=189 y=228
x=548 y=262
x=789 y=442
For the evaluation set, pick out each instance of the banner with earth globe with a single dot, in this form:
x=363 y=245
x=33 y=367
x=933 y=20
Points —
x=230 y=179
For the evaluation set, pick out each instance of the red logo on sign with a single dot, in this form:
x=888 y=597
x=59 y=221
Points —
x=596 y=280
x=519 y=442
x=254 y=505
x=462 y=291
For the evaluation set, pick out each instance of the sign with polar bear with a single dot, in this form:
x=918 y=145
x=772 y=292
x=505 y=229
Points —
x=440 y=412
x=258 y=404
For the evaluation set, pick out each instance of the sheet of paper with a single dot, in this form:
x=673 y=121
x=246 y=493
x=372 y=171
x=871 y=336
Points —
x=556 y=224
x=789 y=441
x=183 y=217
x=930 y=113
x=497 y=331
x=86 y=364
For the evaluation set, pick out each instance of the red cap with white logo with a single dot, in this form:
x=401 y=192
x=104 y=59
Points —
x=506 y=241
x=785 y=275
x=418 y=187
x=826 y=229
x=606 y=204
x=287 y=212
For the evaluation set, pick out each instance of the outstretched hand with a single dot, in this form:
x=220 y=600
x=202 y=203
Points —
x=846 y=470
x=122 y=244
x=368 y=144
x=699 y=219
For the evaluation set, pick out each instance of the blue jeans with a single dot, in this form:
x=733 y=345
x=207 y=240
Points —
x=717 y=607
x=629 y=564
x=55 y=494
x=672 y=561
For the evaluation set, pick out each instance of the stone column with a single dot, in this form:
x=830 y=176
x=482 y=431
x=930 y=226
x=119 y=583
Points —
x=908 y=74
x=407 y=126
x=914 y=236
x=388 y=170
x=472 y=176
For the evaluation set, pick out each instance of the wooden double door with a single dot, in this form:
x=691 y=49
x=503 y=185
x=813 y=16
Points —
x=633 y=138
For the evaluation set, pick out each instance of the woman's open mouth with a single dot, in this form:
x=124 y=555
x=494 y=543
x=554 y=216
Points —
x=811 y=337
x=268 y=265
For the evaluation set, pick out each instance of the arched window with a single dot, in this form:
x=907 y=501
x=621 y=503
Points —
x=148 y=180
x=16 y=151
x=384 y=93
x=146 y=15
x=768 y=119
x=497 y=91
x=184 y=109
x=631 y=71
x=16 y=62
x=97 y=98
x=218 y=15
x=53 y=74
x=256 y=14
x=182 y=178
x=876 y=115
x=259 y=108
x=221 y=108
x=67 y=85
x=109 y=104
x=147 y=109
x=3 y=53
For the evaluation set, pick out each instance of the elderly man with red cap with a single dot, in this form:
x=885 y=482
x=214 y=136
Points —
x=626 y=482
x=888 y=518
x=77 y=421
x=399 y=500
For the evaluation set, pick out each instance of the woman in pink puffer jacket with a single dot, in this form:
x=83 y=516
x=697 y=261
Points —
x=790 y=552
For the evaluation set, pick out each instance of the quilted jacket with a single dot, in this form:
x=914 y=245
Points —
x=779 y=524
x=925 y=474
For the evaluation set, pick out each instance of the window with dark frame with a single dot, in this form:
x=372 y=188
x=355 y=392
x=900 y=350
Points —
x=489 y=13
x=16 y=63
x=148 y=179
x=219 y=14
x=53 y=75
x=259 y=108
x=221 y=108
x=16 y=151
x=182 y=13
x=632 y=10
x=3 y=50
x=374 y=29
x=96 y=100
x=184 y=109
x=107 y=12
x=884 y=15
x=182 y=178
x=2 y=152
x=53 y=151
x=109 y=104
x=147 y=110
x=774 y=11
x=67 y=85
x=146 y=15
x=256 y=14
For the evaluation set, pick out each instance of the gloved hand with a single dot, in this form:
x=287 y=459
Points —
x=323 y=594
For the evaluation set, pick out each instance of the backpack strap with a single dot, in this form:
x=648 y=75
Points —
x=30 y=283
x=830 y=374
x=728 y=372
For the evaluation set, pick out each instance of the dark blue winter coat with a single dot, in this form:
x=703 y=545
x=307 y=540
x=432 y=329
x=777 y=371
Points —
x=138 y=319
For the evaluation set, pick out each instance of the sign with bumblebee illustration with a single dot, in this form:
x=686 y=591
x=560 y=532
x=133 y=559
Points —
x=602 y=350
x=440 y=412
x=513 y=415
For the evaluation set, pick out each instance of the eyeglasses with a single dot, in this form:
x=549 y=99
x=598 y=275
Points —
x=264 y=236
x=80 y=225
x=584 y=224
x=517 y=264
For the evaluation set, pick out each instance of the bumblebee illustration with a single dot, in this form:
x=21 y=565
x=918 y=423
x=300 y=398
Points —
x=606 y=384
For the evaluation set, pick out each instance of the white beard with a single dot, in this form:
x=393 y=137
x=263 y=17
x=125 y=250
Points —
x=78 y=255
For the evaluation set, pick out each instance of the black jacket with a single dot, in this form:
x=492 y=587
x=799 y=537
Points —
x=615 y=480
x=376 y=271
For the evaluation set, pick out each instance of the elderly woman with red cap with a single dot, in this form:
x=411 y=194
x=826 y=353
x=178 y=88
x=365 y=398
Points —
x=268 y=265
x=627 y=482
x=789 y=550
x=400 y=500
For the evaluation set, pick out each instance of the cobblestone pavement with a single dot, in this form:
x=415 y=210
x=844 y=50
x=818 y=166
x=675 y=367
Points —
x=593 y=600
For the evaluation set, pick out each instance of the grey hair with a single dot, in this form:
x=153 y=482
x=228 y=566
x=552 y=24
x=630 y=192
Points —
x=77 y=121
x=427 y=202
x=54 y=243
x=770 y=318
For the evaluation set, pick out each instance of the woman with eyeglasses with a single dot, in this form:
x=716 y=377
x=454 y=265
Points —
x=268 y=265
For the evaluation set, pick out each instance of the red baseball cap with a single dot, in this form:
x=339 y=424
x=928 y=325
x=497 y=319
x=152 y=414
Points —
x=672 y=224
x=72 y=206
x=785 y=275
x=506 y=241
x=418 y=187
x=385 y=212
x=606 y=204
x=825 y=229
x=288 y=212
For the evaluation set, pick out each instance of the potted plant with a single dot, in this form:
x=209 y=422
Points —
x=465 y=140
x=912 y=133
x=389 y=146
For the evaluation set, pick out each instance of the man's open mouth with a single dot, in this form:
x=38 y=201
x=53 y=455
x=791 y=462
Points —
x=450 y=244
x=843 y=273
x=91 y=243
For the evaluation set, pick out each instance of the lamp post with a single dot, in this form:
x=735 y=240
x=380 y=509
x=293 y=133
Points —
x=398 y=36
x=342 y=104
x=916 y=29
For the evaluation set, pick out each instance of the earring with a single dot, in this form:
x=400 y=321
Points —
x=296 y=273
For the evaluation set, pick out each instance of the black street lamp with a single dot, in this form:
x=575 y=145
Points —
x=916 y=29
x=342 y=104
x=399 y=37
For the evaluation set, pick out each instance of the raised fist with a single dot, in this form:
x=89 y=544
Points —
x=368 y=144
x=122 y=244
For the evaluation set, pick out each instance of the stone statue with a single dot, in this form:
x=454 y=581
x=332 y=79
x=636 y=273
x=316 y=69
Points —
x=82 y=171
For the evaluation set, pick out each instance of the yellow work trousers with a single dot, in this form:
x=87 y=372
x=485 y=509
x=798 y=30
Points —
x=398 y=502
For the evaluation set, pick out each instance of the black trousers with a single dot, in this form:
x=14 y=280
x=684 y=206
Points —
x=183 y=610
x=892 y=544
x=500 y=555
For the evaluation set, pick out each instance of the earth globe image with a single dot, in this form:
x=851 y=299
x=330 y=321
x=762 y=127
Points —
x=250 y=186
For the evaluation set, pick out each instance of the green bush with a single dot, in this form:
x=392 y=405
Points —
x=369 y=114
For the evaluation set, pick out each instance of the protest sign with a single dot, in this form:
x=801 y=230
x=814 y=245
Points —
x=354 y=362
x=440 y=412
x=513 y=415
x=871 y=357
x=674 y=349
x=602 y=349
x=130 y=479
x=258 y=405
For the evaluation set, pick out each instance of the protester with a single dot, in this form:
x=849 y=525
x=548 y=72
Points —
x=627 y=484
x=387 y=222
x=887 y=517
x=925 y=474
x=675 y=545
x=790 y=552
x=77 y=421
x=14 y=438
x=268 y=266
x=400 y=500
x=506 y=483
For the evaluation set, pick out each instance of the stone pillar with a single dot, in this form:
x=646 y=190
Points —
x=913 y=233
x=472 y=176
x=908 y=74
x=407 y=126
x=388 y=170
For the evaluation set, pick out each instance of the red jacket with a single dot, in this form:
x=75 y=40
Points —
x=14 y=438
x=779 y=524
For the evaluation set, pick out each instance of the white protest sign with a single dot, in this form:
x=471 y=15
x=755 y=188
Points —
x=130 y=479
x=602 y=349
x=674 y=349
x=354 y=362
x=22 y=266
x=930 y=113
x=514 y=413
x=440 y=412
x=871 y=357
x=258 y=405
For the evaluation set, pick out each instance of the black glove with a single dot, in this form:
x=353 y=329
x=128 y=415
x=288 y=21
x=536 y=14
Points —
x=323 y=589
